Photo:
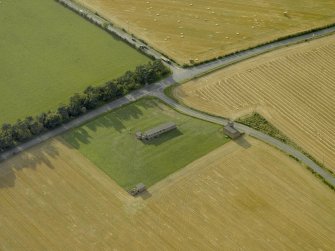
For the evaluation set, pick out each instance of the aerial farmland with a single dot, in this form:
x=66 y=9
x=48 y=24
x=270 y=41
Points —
x=167 y=125
x=53 y=198
x=105 y=140
x=292 y=88
x=49 y=53
x=193 y=31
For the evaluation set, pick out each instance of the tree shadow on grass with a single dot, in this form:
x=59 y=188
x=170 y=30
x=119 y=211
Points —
x=41 y=154
x=115 y=119
x=31 y=159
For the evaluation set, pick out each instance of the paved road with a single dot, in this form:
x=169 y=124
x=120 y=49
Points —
x=189 y=73
x=252 y=132
x=100 y=21
x=181 y=75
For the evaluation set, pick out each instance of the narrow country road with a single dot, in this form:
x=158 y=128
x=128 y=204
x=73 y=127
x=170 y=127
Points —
x=252 y=132
x=179 y=76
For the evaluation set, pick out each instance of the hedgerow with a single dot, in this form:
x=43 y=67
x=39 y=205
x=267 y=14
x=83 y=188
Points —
x=92 y=97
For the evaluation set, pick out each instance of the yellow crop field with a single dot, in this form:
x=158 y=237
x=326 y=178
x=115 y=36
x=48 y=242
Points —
x=200 y=29
x=293 y=88
x=244 y=195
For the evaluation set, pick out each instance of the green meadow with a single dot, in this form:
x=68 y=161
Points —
x=48 y=53
x=110 y=142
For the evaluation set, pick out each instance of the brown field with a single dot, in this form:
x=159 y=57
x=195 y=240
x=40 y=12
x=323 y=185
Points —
x=293 y=88
x=209 y=29
x=242 y=196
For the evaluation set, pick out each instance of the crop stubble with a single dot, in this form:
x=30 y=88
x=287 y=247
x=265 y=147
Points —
x=201 y=30
x=242 y=195
x=293 y=88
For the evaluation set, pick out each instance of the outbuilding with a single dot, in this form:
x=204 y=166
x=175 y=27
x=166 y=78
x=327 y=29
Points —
x=139 y=188
x=231 y=131
x=157 y=131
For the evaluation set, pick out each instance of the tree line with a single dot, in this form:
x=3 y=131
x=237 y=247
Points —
x=92 y=97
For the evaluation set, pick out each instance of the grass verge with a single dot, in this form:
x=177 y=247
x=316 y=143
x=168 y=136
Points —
x=259 y=123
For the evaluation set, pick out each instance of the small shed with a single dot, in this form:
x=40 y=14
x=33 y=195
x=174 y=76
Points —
x=231 y=131
x=139 y=188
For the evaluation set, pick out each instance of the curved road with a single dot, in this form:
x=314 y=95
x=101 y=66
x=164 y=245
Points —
x=181 y=75
x=252 y=132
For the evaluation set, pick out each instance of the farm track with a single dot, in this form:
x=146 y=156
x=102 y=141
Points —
x=182 y=75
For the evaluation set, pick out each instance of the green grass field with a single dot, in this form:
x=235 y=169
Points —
x=48 y=53
x=109 y=142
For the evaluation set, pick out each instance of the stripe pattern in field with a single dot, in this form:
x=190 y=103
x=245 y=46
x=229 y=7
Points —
x=199 y=30
x=292 y=88
x=243 y=195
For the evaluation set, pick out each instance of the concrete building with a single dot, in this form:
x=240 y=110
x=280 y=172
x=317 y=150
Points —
x=157 y=131
x=231 y=131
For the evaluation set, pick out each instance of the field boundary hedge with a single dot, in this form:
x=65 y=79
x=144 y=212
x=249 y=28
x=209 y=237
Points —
x=259 y=123
x=73 y=6
x=91 y=98
x=261 y=44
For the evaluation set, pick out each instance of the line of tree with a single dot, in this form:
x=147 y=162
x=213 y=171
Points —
x=12 y=135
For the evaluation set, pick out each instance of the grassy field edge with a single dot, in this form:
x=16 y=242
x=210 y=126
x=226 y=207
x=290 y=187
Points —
x=263 y=126
x=259 y=123
x=105 y=140
x=186 y=65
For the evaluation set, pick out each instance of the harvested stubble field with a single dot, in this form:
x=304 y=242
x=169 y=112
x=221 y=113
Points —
x=48 y=53
x=243 y=195
x=200 y=29
x=110 y=143
x=293 y=88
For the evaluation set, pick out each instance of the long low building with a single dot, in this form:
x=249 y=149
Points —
x=155 y=132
